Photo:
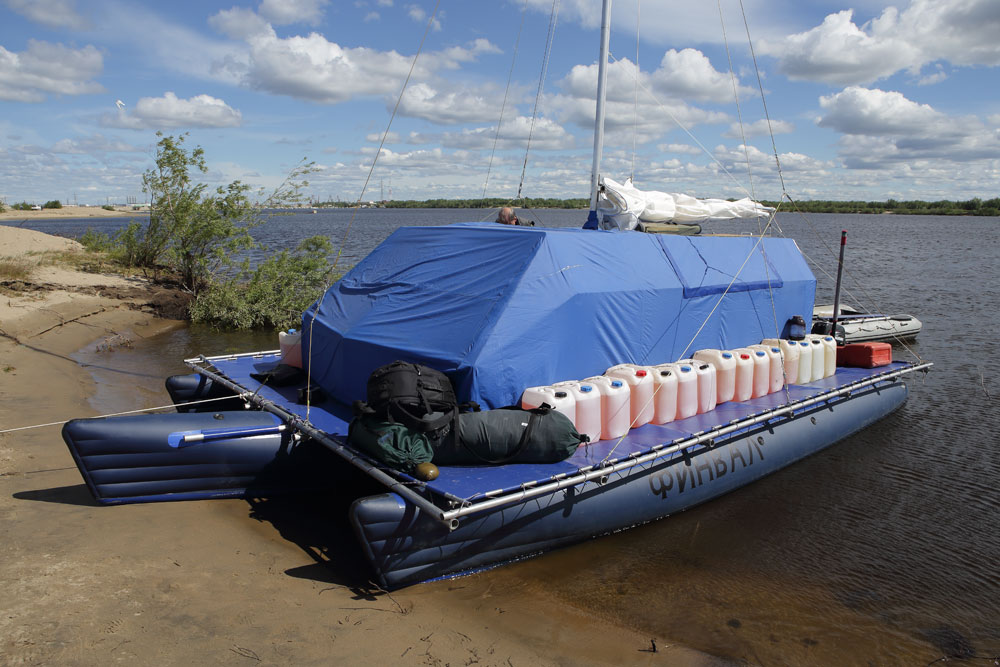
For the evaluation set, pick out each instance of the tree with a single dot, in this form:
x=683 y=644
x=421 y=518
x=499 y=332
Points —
x=192 y=230
x=55 y=203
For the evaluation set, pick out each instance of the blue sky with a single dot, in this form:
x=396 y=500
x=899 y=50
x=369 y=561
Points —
x=868 y=100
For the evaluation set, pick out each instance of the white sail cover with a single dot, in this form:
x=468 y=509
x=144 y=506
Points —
x=623 y=206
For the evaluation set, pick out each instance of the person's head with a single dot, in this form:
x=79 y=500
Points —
x=506 y=216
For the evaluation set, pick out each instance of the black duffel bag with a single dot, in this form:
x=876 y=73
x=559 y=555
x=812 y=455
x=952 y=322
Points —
x=509 y=435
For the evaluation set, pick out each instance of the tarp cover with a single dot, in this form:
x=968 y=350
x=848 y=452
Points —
x=501 y=308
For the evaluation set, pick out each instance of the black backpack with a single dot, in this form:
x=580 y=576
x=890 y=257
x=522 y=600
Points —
x=416 y=396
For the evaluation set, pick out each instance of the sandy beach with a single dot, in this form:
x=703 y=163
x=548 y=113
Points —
x=213 y=582
x=12 y=217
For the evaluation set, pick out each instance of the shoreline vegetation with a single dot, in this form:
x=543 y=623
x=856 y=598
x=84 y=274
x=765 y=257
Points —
x=987 y=207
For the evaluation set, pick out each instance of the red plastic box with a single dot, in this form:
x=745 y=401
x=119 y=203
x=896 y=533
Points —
x=864 y=355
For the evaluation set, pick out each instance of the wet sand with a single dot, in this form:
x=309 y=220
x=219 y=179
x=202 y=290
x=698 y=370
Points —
x=224 y=581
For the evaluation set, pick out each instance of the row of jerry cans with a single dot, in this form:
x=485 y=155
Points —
x=629 y=395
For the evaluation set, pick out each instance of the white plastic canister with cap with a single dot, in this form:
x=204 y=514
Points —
x=687 y=388
x=761 y=371
x=829 y=352
x=744 y=374
x=615 y=401
x=639 y=380
x=789 y=358
x=664 y=395
x=559 y=400
x=290 y=343
x=776 y=379
x=707 y=391
x=725 y=372
x=588 y=407
x=805 y=362
x=818 y=356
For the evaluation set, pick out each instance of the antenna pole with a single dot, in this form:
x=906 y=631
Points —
x=602 y=80
x=836 y=291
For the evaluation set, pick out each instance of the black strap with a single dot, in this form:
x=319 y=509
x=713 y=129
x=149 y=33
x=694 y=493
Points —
x=398 y=412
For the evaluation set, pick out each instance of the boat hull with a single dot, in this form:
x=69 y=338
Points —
x=407 y=546
x=130 y=459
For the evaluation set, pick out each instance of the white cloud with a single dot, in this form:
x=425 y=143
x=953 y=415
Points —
x=546 y=135
x=372 y=16
x=882 y=128
x=689 y=74
x=48 y=68
x=239 y=23
x=315 y=69
x=417 y=14
x=97 y=145
x=171 y=111
x=760 y=128
x=839 y=52
x=454 y=106
x=283 y=12
x=50 y=13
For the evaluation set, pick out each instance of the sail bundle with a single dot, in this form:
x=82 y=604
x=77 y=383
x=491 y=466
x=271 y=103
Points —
x=623 y=206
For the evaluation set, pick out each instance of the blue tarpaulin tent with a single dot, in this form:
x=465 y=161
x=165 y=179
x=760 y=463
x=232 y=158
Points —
x=501 y=308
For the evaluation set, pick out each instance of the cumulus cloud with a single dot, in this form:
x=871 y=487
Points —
x=96 y=145
x=48 y=68
x=283 y=12
x=50 y=13
x=313 y=68
x=884 y=127
x=658 y=100
x=171 y=111
x=546 y=135
x=760 y=128
x=417 y=14
x=840 y=52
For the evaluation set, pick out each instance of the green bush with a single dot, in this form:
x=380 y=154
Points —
x=108 y=207
x=55 y=203
x=274 y=295
x=23 y=206
x=96 y=241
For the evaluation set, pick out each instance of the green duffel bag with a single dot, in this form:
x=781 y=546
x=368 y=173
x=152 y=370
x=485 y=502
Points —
x=509 y=435
x=394 y=445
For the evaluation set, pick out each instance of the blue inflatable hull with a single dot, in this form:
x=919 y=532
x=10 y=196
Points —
x=407 y=546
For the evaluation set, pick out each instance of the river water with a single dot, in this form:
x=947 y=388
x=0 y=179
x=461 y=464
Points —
x=883 y=549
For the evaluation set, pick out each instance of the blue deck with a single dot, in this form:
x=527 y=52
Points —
x=474 y=481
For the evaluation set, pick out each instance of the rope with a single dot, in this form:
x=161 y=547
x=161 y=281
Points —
x=510 y=75
x=553 y=17
x=172 y=406
x=635 y=93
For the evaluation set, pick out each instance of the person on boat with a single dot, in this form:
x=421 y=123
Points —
x=507 y=216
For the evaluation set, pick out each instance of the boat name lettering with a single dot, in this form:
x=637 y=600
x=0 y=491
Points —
x=708 y=466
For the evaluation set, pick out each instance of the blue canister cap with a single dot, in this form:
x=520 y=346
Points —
x=776 y=350
x=803 y=343
x=759 y=353
x=616 y=383
x=726 y=355
x=585 y=388
x=828 y=338
x=685 y=369
x=291 y=331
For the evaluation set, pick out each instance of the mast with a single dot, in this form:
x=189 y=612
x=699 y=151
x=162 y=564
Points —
x=602 y=80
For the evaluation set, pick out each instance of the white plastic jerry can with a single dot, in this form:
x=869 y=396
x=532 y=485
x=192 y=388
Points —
x=829 y=346
x=805 y=362
x=290 y=343
x=664 y=395
x=744 y=374
x=588 y=407
x=558 y=399
x=725 y=372
x=789 y=358
x=776 y=379
x=615 y=406
x=818 y=356
x=761 y=371
x=639 y=380
x=707 y=390
x=687 y=388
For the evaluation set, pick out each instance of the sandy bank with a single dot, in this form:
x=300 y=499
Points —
x=69 y=212
x=213 y=582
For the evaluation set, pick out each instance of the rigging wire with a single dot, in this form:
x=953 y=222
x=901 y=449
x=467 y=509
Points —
x=506 y=92
x=357 y=205
x=635 y=94
x=553 y=17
